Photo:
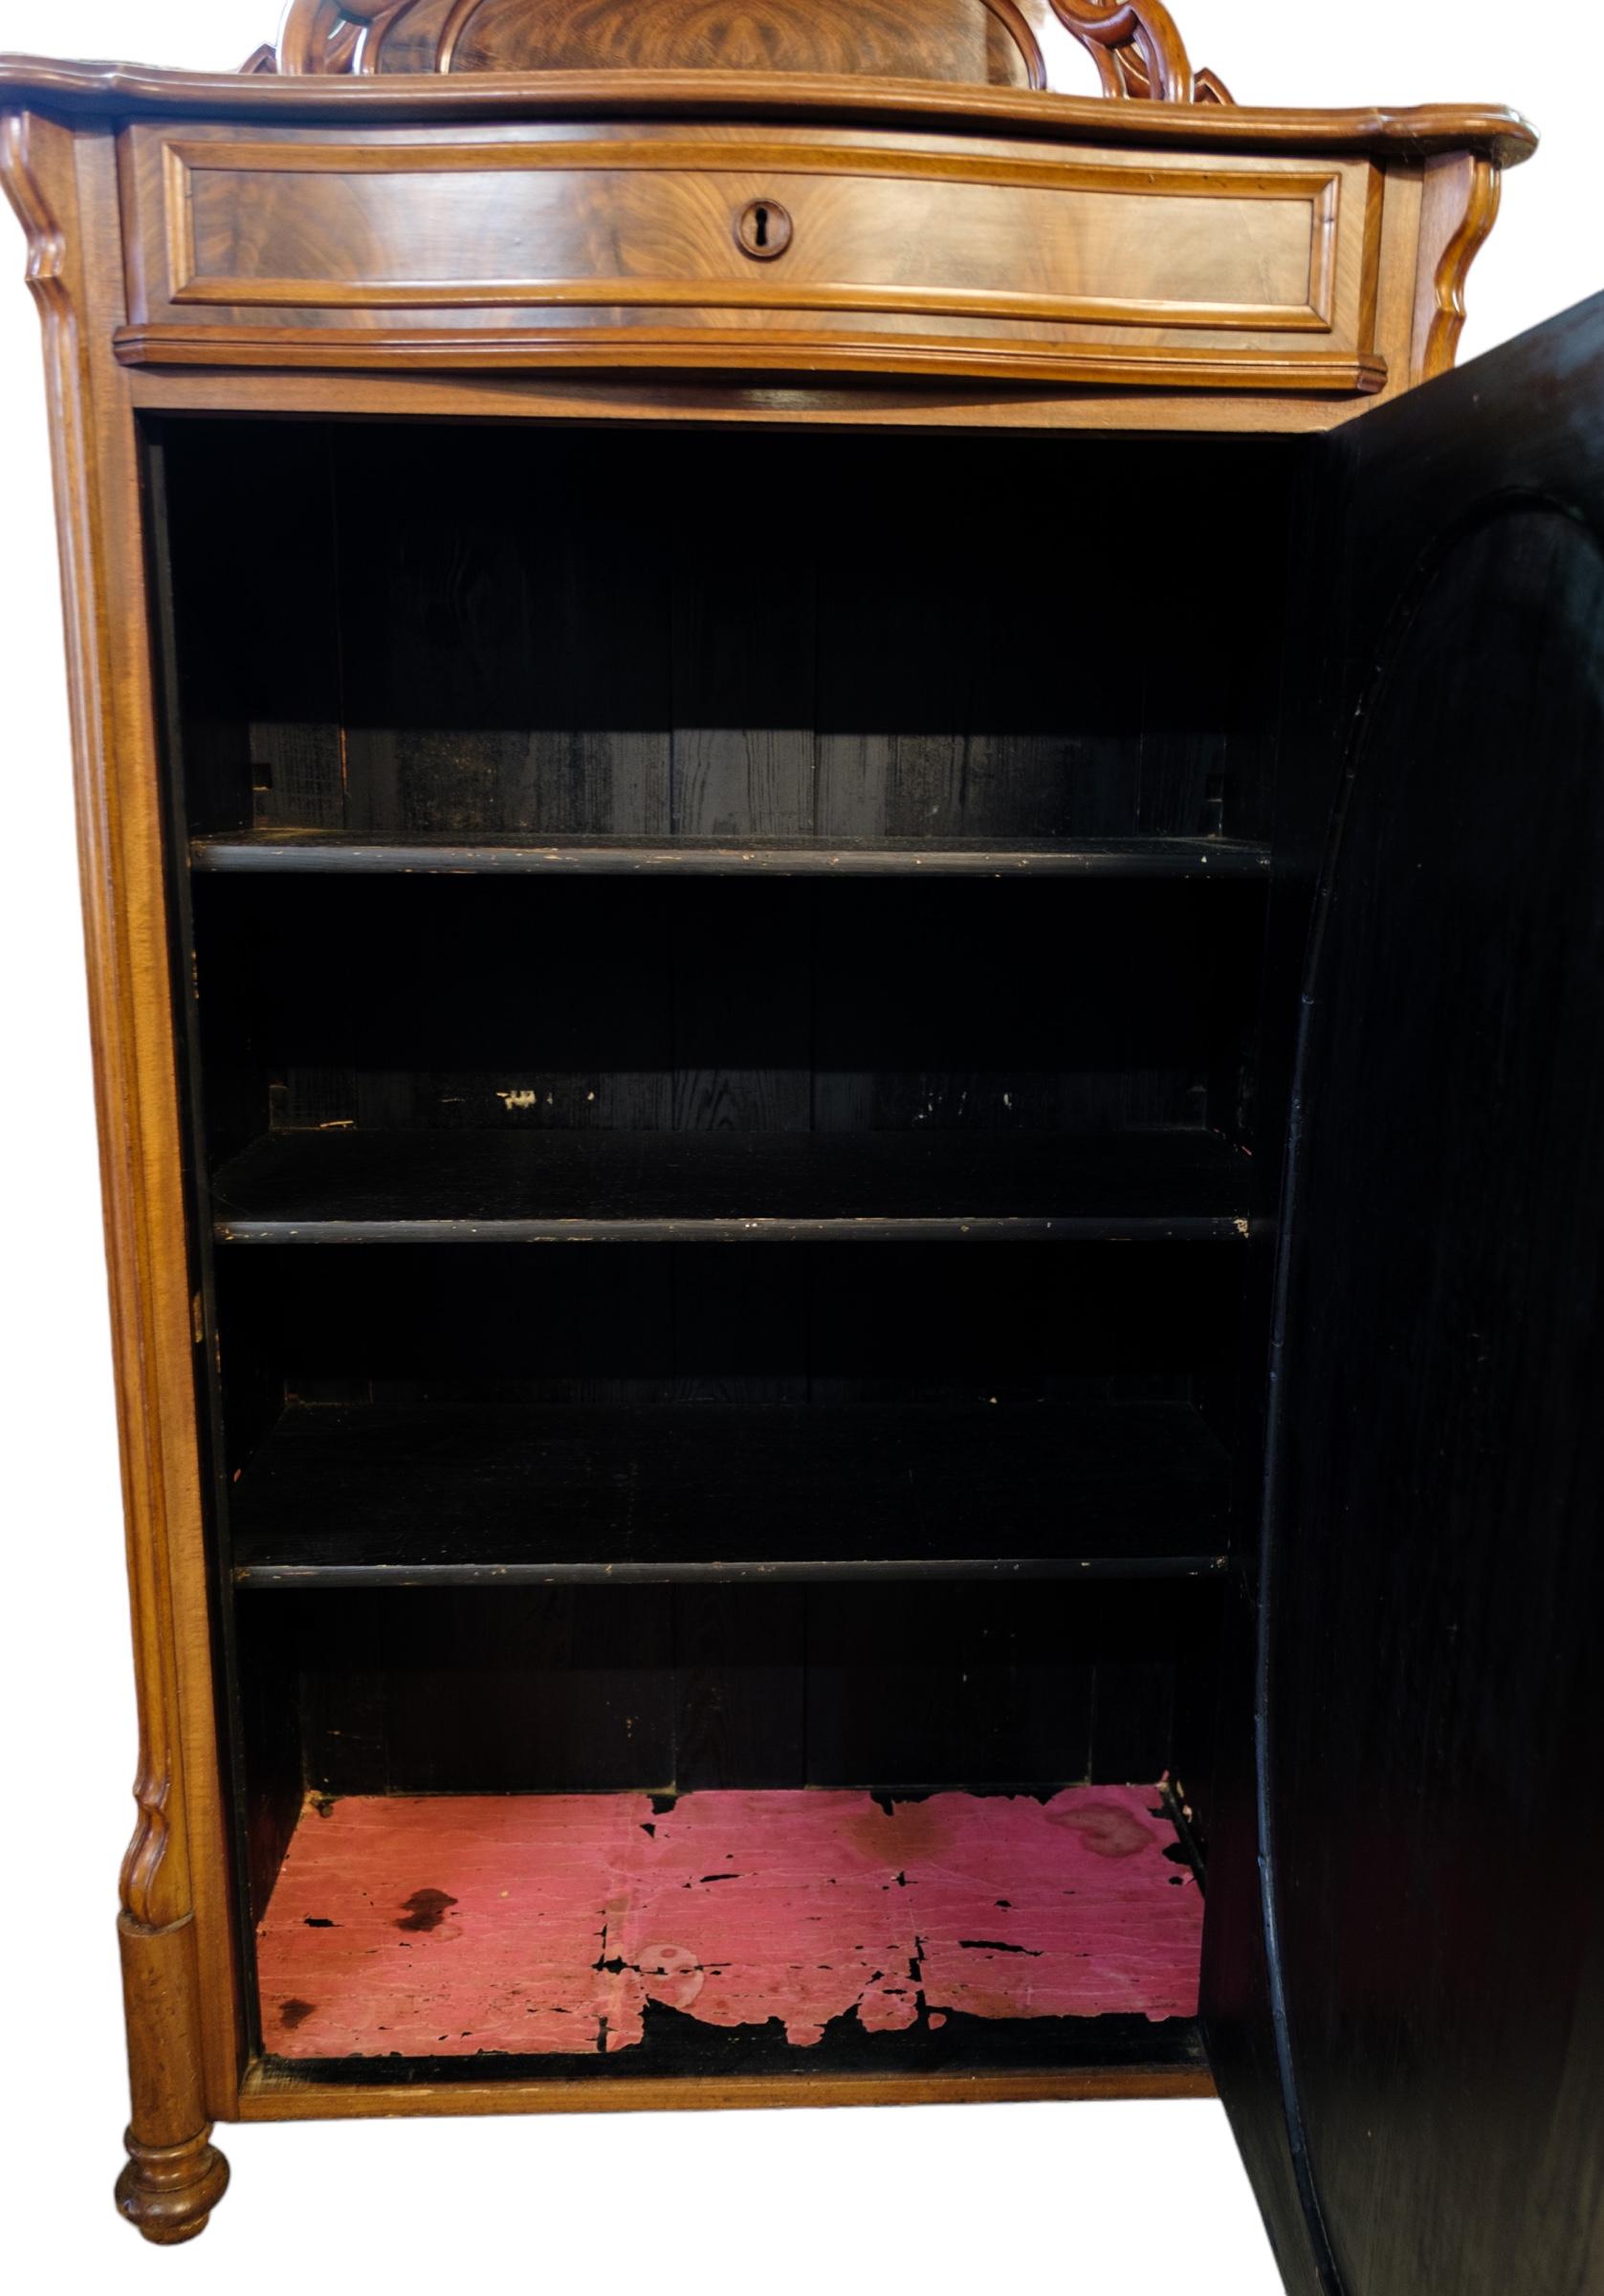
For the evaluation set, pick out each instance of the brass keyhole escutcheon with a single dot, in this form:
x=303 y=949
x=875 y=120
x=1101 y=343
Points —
x=763 y=230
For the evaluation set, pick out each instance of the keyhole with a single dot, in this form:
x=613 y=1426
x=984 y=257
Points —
x=763 y=230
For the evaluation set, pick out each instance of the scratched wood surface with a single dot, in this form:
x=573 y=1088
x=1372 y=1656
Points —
x=533 y=1925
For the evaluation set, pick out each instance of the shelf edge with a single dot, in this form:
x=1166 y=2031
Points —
x=305 y=1578
x=1221 y=1227
x=1188 y=860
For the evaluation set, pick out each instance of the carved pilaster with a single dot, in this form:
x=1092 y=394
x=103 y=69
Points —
x=174 y=2176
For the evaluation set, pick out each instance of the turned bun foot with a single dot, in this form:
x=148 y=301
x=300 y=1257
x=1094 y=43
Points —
x=169 y=2191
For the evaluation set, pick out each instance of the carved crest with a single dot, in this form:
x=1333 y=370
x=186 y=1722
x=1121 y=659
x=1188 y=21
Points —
x=1137 y=48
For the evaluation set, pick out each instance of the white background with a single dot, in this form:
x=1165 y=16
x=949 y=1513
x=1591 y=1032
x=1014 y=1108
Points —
x=1111 y=2200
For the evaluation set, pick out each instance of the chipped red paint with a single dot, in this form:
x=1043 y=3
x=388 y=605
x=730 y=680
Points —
x=543 y=1924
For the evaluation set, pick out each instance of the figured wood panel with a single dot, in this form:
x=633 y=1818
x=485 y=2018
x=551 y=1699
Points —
x=627 y=243
x=980 y=42
x=963 y=40
x=655 y=224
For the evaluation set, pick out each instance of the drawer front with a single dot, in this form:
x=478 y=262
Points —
x=604 y=247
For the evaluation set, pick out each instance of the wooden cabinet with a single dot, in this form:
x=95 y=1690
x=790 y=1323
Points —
x=848 y=981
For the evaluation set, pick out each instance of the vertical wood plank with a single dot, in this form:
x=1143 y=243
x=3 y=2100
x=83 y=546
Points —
x=1026 y=1687
x=505 y=661
x=740 y=1686
x=744 y=643
x=743 y=1008
x=884 y=1668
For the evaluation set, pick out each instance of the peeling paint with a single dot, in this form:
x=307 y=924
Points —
x=550 y=1921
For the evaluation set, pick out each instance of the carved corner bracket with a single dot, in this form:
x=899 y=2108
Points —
x=46 y=242
x=1466 y=243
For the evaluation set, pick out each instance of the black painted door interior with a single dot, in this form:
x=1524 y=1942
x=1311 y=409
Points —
x=1405 y=1991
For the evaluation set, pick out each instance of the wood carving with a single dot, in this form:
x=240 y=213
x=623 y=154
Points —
x=1138 y=51
x=1453 y=269
x=332 y=36
x=168 y=2192
x=46 y=242
x=1010 y=43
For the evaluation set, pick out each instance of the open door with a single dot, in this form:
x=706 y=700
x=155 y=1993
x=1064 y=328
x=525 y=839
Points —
x=1405 y=1988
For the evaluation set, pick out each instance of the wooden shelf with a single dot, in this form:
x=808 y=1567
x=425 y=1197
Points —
x=374 y=1495
x=317 y=852
x=528 y=1186
x=814 y=1934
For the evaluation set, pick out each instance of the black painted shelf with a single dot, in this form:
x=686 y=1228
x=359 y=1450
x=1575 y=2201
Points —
x=323 y=852
x=539 y=1496
x=525 y=1185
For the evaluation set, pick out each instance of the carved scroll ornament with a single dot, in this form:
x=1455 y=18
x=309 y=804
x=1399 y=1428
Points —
x=1137 y=48
x=1138 y=51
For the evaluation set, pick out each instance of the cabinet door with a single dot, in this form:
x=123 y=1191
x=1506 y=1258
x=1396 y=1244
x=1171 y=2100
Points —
x=1409 y=2030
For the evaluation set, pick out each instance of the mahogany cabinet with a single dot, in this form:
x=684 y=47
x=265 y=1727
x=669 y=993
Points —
x=841 y=837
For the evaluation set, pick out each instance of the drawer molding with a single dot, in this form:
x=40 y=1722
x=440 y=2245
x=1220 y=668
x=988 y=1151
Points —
x=192 y=285
x=1132 y=366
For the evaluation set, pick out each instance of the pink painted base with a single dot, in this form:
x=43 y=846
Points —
x=543 y=1924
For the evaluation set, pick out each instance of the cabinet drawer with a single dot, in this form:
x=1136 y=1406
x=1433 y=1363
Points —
x=722 y=247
